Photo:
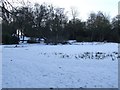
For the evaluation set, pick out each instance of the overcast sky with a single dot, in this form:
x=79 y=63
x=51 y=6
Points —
x=84 y=7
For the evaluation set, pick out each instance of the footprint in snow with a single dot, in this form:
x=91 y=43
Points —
x=95 y=86
x=44 y=75
x=60 y=67
x=85 y=86
x=6 y=83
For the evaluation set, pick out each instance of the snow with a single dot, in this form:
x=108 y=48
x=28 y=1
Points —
x=0 y=67
x=25 y=38
x=60 y=66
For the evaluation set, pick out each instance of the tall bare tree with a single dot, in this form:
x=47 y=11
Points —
x=74 y=13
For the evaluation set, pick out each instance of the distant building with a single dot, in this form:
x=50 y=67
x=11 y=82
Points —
x=23 y=39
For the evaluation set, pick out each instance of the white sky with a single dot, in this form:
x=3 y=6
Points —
x=85 y=7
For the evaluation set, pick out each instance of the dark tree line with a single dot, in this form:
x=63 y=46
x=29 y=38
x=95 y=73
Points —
x=52 y=24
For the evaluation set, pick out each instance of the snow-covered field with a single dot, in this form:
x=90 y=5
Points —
x=81 y=65
x=0 y=67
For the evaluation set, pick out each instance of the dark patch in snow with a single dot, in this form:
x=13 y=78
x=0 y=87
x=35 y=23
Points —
x=51 y=88
x=85 y=55
x=59 y=67
x=44 y=75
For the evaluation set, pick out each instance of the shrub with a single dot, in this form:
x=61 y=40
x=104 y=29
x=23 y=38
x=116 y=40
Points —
x=7 y=39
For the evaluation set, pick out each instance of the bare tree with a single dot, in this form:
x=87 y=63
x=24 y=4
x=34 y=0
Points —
x=74 y=12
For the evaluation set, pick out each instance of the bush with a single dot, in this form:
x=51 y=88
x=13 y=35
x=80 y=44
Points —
x=82 y=39
x=32 y=40
x=7 y=39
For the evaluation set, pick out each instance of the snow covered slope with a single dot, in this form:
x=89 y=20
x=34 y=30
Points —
x=62 y=66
